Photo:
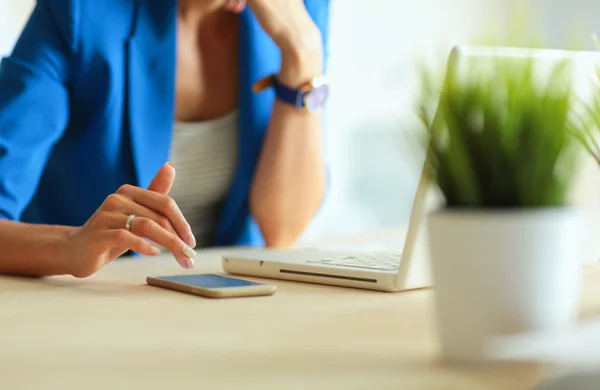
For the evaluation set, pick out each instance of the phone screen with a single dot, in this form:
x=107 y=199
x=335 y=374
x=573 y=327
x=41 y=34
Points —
x=209 y=281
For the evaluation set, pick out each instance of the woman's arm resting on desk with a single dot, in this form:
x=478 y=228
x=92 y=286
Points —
x=32 y=250
x=290 y=181
x=36 y=250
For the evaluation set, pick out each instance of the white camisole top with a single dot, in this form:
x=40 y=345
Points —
x=205 y=157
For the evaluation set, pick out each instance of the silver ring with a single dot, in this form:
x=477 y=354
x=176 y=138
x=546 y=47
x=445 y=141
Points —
x=128 y=222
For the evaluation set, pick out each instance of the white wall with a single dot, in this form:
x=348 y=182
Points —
x=375 y=48
x=567 y=22
x=13 y=14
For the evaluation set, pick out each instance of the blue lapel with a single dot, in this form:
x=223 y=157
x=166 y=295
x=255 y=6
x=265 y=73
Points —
x=151 y=85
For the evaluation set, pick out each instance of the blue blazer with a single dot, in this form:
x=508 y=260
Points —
x=87 y=105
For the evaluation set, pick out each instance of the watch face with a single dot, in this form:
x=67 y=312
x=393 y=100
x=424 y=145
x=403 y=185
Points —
x=316 y=98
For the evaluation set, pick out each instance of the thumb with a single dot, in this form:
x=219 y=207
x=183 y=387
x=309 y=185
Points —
x=163 y=181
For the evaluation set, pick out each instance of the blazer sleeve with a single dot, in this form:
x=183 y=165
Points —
x=34 y=101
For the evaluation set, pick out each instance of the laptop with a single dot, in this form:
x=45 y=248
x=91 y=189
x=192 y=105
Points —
x=406 y=267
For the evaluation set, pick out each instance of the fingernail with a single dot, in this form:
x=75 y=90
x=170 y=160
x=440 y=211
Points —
x=154 y=251
x=191 y=240
x=189 y=263
x=171 y=164
x=189 y=252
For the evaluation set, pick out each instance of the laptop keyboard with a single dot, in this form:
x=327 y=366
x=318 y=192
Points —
x=378 y=262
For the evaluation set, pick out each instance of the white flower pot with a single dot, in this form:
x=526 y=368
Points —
x=498 y=273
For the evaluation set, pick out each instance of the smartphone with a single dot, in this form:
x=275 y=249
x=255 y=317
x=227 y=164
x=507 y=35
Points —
x=212 y=286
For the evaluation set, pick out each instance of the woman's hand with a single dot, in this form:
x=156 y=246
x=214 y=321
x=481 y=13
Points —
x=290 y=26
x=158 y=219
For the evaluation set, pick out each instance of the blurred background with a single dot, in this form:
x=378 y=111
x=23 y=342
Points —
x=375 y=48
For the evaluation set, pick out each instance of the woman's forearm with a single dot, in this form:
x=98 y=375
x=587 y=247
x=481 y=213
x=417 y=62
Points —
x=32 y=250
x=290 y=180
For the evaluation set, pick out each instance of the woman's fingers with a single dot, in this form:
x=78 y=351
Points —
x=230 y=5
x=123 y=205
x=163 y=181
x=241 y=5
x=145 y=227
x=125 y=240
x=162 y=205
x=235 y=5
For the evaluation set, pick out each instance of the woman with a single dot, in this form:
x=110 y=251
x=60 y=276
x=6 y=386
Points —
x=98 y=95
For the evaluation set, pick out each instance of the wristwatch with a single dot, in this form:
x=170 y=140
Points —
x=310 y=96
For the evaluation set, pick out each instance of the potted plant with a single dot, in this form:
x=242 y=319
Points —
x=505 y=246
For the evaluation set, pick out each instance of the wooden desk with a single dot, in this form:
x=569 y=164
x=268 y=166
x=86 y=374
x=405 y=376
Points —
x=112 y=331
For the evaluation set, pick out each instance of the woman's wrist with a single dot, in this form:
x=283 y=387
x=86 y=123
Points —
x=301 y=59
x=298 y=68
x=58 y=250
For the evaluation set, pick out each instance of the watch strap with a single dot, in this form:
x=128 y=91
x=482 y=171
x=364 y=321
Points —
x=296 y=97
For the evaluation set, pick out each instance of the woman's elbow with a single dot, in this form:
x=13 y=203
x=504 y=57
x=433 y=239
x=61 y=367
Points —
x=280 y=228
